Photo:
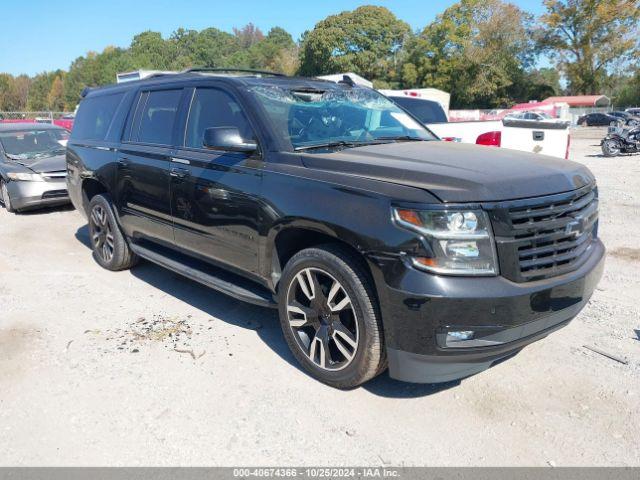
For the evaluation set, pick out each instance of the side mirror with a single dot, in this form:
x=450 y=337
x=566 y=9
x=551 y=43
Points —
x=227 y=139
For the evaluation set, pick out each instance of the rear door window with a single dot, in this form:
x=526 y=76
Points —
x=95 y=116
x=158 y=116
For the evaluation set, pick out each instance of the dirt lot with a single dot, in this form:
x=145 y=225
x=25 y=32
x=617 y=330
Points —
x=147 y=368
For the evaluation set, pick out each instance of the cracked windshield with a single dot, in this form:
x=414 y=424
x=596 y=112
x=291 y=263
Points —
x=30 y=144
x=308 y=119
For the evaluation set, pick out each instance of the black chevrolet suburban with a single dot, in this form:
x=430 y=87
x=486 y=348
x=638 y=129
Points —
x=380 y=245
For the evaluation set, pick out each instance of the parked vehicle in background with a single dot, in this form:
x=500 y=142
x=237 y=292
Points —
x=32 y=166
x=633 y=111
x=536 y=135
x=378 y=244
x=621 y=139
x=627 y=117
x=597 y=120
x=531 y=117
x=426 y=111
x=65 y=122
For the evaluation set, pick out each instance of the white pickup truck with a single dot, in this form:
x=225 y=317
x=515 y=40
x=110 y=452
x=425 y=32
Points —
x=545 y=137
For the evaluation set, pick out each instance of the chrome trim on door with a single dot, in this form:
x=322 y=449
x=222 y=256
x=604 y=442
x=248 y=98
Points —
x=180 y=160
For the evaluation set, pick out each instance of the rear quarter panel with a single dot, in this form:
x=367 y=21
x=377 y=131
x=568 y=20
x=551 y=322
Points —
x=96 y=159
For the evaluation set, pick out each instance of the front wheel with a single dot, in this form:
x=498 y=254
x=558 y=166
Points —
x=330 y=317
x=6 y=199
x=610 y=148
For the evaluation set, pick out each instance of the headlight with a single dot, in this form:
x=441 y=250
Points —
x=460 y=241
x=25 y=177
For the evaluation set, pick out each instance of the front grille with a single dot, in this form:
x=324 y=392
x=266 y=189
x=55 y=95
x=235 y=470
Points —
x=547 y=236
x=55 y=194
x=55 y=174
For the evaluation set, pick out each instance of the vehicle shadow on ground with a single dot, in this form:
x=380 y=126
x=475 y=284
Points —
x=264 y=321
x=47 y=210
x=600 y=155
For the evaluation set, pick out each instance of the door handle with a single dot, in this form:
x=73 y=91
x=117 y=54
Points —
x=179 y=172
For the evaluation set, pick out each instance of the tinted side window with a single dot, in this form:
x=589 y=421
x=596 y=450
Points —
x=214 y=108
x=424 y=110
x=94 y=116
x=158 y=117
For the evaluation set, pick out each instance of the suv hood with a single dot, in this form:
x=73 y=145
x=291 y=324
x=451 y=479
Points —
x=457 y=172
x=54 y=163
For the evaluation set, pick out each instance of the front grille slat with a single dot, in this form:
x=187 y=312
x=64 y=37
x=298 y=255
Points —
x=55 y=174
x=565 y=244
x=555 y=258
x=545 y=237
x=554 y=209
x=55 y=194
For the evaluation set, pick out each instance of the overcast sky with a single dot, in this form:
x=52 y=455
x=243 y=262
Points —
x=39 y=35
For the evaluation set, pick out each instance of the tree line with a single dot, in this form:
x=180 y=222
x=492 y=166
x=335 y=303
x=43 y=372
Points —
x=484 y=52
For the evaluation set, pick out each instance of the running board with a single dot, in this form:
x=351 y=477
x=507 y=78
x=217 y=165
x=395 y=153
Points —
x=217 y=279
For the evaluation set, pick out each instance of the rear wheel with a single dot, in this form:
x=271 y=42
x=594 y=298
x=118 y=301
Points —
x=6 y=199
x=610 y=148
x=110 y=248
x=330 y=317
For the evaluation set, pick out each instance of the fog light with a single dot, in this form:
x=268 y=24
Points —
x=460 y=336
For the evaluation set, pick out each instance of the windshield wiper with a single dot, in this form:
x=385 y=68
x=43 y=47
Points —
x=339 y=143
x=404 y=138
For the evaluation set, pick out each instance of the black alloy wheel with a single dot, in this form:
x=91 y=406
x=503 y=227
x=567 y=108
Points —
x=110 y=248
x=330 y=316
x=101 y=233
x=322 y=319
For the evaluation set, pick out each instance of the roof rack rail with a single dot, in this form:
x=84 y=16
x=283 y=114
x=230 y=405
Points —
x=85 y=91
x=241 y=70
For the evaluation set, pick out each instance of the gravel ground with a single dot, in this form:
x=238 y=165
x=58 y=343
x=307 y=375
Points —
x=147 y=368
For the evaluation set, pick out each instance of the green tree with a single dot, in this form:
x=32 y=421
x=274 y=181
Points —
x=212 y=48
x=626 y=91
x=55 y=98
x=150 y=51
x=276 y=52
x=477 y=50
x=94 y=69
x=248 y=35
x=587 y=37
x=13 y=92
x=39 y=90
x=542 y=83
x=365 y=41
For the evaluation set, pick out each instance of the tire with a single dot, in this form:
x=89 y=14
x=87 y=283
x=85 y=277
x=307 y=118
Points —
x=110 y=248
x=610 y=148
x=6 y=199
x=340 y=324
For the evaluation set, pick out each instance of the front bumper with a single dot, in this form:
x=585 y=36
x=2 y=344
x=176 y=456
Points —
x=27 y=195
x=419 y=309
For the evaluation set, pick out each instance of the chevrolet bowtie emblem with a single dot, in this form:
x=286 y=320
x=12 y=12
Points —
x=574 y=226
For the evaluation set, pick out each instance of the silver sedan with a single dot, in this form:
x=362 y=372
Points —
x=32 y=166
